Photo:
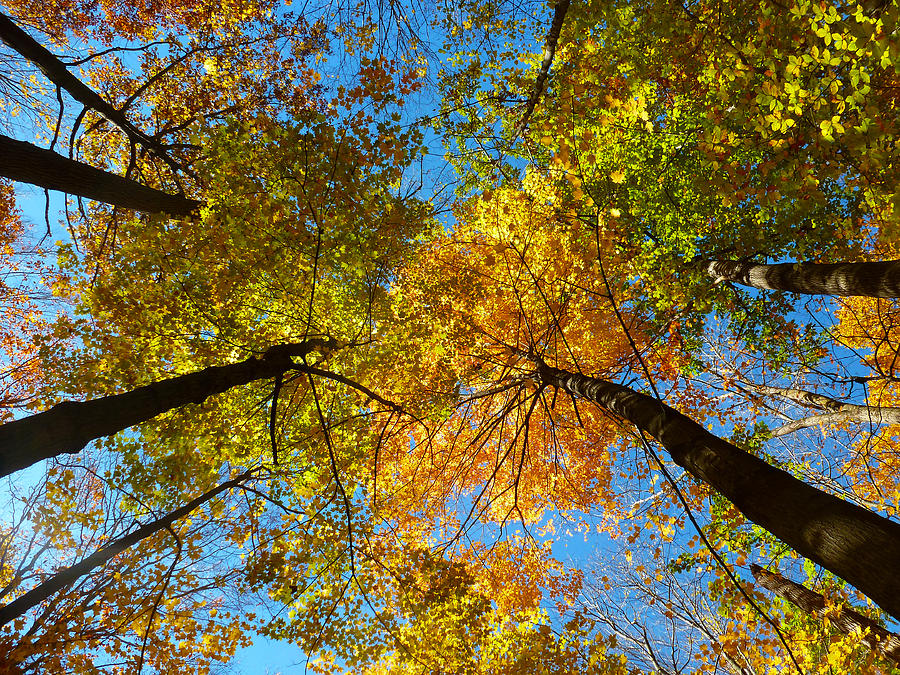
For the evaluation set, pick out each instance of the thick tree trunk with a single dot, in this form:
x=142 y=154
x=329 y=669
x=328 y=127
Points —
x=857 y=545
x=69 y=575
x=845 y=619
x=871 y=279
x=28 y=163
x=69 y=426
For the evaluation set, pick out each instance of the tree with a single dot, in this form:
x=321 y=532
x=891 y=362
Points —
x=170 y=152
x=31 y=164
x=842 y=537
x=69 y=575
x=57 y=73
x=872 y=279
x=846 y=619
x=162 y=604
x=421 y=474
x=44 y=168
x=69 y=426
x=662 y=620
x=322 y=272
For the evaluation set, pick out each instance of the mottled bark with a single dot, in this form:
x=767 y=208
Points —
x=871 y=279
x=28 y=163
x=857 y=545
x=68 y=575
x=844 y=619
x=67 y=427
x=835 y=411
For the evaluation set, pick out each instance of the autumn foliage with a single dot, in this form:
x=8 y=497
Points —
x=404 y=477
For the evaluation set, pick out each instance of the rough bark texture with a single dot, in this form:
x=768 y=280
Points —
x=30 y=164
x=857 y=545
x=845 y=619
x=69 y=575
x=871 y=279
x=69 y=426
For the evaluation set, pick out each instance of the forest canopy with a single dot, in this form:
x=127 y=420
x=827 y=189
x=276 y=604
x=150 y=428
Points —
x=476 y=337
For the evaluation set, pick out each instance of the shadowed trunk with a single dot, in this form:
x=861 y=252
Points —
x=67 y=427
x=68 y=575
x=857 y=545
x=559 y=16
x=58 y=74
x=28 y=163
x=871 y=279
x=845 y=619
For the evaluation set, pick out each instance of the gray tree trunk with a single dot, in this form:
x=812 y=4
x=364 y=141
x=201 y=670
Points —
x=870 y=279
x=835 y=411
x=846 y=620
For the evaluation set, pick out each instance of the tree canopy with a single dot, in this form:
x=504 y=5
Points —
x=479 y=338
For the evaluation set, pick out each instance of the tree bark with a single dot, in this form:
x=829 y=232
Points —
x=845 y=619
x=870 y=279
x=28 y=163
x=836 y=412
x=857 y=545
x=68 y=575
x=68 y=426
x=559 y=16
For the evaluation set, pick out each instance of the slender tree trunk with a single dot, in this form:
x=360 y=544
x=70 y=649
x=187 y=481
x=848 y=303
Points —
x=836 y=412
x=845 y=619
x=871 y=279
x=559 y=16
x=69 y=575
x=67 y=427
x=58 y=74
x=28 y=163
x=857 y=545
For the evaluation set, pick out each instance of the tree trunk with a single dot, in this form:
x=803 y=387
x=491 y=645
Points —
x=836 y=412
x=58 y=74
x=857 y=545
x=845 y=619
x=850 y=414
x=559 y=16
x=67 y=427
x=69 y=575
x=28 y=163
x=871 y=279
